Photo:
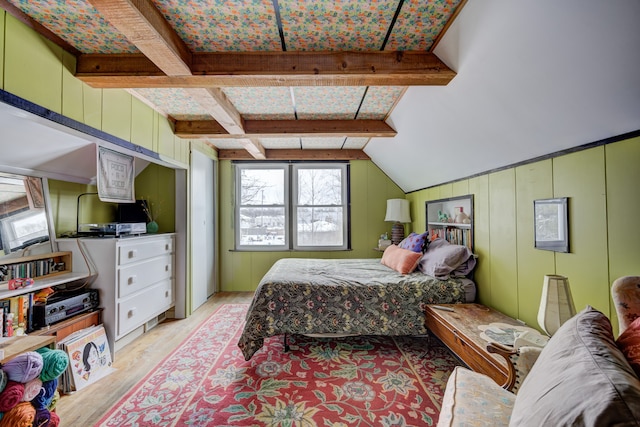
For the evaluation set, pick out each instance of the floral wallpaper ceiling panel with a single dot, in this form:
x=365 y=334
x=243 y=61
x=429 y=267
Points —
x=379 y=101
x=314 y=25
x=281 y=143
x=262 y=103
x=226 y=144
x=334 y=143
x=419 y=24
x=327 y=103
x=78 y=23
x=175 y=102
x=223 y=25
x=355 y=143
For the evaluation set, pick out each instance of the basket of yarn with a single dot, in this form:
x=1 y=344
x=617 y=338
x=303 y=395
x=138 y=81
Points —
x=28 y=388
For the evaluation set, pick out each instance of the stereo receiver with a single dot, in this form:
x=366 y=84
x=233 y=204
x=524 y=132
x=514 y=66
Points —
x=61 y=307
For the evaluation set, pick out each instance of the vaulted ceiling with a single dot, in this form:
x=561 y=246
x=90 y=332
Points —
x=257 y=79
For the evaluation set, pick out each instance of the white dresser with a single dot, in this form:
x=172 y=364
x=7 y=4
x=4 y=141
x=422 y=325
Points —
x=135 y=279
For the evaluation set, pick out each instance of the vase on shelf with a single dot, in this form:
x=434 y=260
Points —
x=461 y=217
x=152 y=227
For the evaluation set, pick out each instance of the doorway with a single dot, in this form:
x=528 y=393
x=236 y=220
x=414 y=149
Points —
x=203 y=232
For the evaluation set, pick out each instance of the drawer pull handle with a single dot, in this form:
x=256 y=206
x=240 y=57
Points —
x=132 y=280
x=133 y=253
x=131 y=312
x=166 y=247
x=166 y=294
x=167 y=268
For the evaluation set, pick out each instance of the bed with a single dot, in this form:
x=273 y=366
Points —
x=344 y=297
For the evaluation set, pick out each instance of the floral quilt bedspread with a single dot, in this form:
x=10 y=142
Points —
x=341 y=296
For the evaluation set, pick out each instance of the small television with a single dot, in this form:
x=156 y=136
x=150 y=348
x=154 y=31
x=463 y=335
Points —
x=133 y=212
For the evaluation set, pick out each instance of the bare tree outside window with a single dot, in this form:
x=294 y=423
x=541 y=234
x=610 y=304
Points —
x=262 y=211
x=319 y=207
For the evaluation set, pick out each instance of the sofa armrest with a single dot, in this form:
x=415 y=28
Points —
x=506 y=352
x=519 y=363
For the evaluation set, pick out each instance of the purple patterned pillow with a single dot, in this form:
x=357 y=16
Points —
x=414 y=242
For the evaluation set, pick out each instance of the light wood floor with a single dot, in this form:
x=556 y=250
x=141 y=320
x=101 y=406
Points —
x=132 y=362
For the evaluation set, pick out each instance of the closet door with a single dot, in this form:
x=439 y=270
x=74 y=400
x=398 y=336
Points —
x=203 y=237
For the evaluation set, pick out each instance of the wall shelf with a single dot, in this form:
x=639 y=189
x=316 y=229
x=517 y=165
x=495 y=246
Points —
x=53 y=278
x=454 y=232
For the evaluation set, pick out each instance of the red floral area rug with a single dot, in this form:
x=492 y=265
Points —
x=355 y=381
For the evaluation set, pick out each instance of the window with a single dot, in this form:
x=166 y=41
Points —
x=300 y=206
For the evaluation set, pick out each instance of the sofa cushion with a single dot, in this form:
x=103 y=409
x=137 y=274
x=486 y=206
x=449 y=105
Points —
x=474 y=399
x=580 y=379
x=629 y=343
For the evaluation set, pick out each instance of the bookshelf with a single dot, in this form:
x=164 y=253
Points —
x=441 y=219
x=47 y=270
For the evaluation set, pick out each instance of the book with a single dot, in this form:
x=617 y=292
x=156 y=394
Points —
x=89 y=358
x=5 y=308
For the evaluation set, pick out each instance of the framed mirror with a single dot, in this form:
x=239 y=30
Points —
x=25 y=222
x=551 y=219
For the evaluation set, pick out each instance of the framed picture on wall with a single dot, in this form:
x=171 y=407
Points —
x=551 y=221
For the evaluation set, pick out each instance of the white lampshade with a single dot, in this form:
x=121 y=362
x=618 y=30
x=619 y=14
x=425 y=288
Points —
x=398 y=210
x=556 y=304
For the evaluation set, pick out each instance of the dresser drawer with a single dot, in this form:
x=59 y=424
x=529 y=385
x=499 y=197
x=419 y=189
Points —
x=139 y=308
x=131 y=252
x=134 y=277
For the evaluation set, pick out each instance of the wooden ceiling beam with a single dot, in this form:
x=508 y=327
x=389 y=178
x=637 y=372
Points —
x=216 y=103
x=255 y=69
x=297 y=155
x=286 y=129
x=254 y=148
x=144 y=26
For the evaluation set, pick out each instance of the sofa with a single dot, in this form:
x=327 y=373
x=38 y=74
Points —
x=584 y=376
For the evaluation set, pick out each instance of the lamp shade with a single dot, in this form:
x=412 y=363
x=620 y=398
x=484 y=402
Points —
x=398 y=210
x=556 y=304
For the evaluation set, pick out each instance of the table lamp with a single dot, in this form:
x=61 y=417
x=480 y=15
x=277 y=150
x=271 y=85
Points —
x=556 y=304
x=398 y=213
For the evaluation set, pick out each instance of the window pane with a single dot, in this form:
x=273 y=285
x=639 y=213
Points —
x=320 y=226
x=262 y=187
x=262 y=226
x=319 y=187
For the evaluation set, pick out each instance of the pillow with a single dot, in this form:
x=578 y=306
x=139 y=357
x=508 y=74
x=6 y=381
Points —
x=402 y=260
x=581 y=378
x=629 y=343
x=442 y=258
x=414 y=242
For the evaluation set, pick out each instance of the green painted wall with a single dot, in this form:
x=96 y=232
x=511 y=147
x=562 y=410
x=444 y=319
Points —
x=32 y=66
x=155 y=184
x=370 y=189
x=2 y=26
x=602 y=186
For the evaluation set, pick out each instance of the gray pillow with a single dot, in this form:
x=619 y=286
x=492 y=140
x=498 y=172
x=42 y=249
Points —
x=442 y=258
x=580 y=379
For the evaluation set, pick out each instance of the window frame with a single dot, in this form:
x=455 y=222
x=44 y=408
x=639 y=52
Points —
x=290 y=204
